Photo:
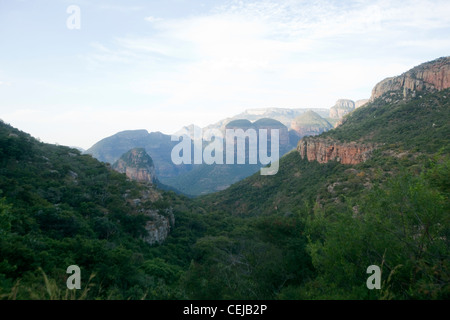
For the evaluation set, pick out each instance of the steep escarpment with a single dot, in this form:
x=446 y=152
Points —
x=401 y=119
x=429 y=76
x=325 y=150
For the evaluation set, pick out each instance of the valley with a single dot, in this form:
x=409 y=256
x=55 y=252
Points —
x=370 y=189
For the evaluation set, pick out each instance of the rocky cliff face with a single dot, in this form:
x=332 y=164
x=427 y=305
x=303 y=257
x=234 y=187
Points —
x=137 y=165
x=160 y=222
x=341 y=108
x=323 y=150
x=430 y=76
x=159 y=225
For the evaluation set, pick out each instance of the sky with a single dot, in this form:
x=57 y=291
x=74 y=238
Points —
x=162 y=65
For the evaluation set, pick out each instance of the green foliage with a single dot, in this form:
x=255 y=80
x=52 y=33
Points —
x=297 y=180
x=160 y=269
x=402 y=226
x=5 y=217
x=62 y=208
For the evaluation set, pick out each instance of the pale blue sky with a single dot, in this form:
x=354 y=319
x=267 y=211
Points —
x=160 y=65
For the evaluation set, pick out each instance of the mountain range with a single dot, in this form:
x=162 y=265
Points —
x=373 y=191
x=195 y=180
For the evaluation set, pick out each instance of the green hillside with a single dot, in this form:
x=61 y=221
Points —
x=391 y=210
x=59 y=207
x=419 y=124
x=407 y=133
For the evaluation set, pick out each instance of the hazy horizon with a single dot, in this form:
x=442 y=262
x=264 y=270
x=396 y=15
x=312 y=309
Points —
x=160 y=66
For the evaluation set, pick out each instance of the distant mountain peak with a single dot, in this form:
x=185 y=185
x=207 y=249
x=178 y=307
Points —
x=239 y=123
x=189 y=131
x=310 y=123
x=268 y=122
x=132 y=133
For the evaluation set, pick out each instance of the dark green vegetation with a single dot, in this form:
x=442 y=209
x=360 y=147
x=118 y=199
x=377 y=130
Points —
x=308 y=232
x=205 y=178
x=60 y=208
x=419 y=124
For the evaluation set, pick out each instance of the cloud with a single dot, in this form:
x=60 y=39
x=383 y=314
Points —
x=119 y=8
x=324 y=18
x=258 y=33
x=261 y=52
x=203 y=66
x=152 y=19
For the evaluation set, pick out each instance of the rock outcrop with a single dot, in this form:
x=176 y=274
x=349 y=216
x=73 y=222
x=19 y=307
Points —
x=137 y=165
x=323 y=150
x=341 y=108
x=159 y=226
x=159 y=222
x=429 y=76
